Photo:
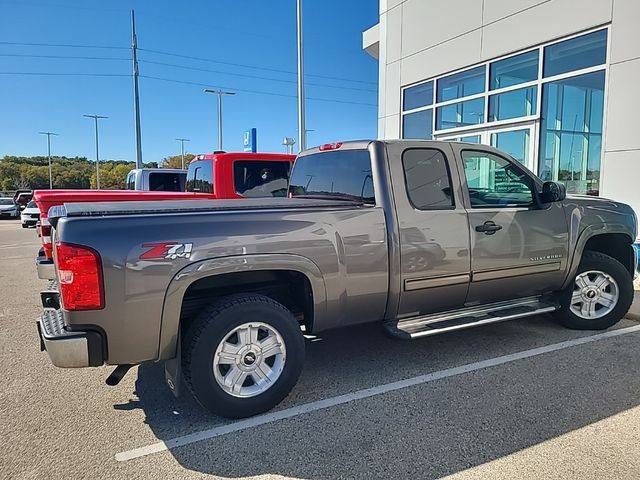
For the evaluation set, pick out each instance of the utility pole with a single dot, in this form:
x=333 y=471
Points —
x=182 y=140
x=48 y=134
x=136 y=95
x=96 y=118
x=302 y=133
x=219 y=93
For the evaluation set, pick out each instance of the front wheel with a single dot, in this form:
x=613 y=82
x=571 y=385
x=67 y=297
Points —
x=600 y=296
x=242 y=355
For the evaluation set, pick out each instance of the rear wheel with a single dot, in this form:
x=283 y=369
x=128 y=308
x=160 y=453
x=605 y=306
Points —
x=600 y=296
x=243 y=355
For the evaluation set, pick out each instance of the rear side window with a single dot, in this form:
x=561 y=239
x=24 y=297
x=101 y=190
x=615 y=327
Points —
x=427 y=179
x=335 y=174
x=261 y=179
x=131 y=181
x=200 y=177
x=166 y=181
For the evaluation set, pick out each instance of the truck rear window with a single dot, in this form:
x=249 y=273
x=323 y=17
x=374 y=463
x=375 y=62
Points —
x=167 y=181
x=339 y=173
x=261 y=179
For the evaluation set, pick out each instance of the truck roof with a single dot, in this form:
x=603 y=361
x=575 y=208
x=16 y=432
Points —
x=230 y=156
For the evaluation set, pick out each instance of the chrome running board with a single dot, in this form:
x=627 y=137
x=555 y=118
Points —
x=426 y=325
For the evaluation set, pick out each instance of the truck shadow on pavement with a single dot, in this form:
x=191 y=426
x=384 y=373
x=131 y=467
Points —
x=425 y=431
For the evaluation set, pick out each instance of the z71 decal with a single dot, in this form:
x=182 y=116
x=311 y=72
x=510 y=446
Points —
x=168 y=250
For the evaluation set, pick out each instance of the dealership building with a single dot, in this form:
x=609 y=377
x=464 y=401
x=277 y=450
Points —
x=555 y=83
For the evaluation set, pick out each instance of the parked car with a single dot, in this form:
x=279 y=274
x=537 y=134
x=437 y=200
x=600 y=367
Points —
x=9 y=208
x=30 y=215
x=156 y=179
x=22 y=198
x=231 y=171
x=222 y=291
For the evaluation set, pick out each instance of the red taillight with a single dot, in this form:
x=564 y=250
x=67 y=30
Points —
x=330 y=146
x=80 y=277
x=45 y=235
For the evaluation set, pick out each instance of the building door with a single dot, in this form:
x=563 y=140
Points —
x=517 y=141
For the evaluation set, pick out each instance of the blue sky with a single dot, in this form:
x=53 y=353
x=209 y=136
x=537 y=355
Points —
x=229 y=34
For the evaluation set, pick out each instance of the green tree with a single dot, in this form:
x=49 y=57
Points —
x=176 y=161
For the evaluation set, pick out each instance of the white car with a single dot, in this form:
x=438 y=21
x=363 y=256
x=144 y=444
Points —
x=30 y=215
x=8 y=208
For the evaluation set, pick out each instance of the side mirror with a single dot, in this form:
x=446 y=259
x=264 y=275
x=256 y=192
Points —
x=553 y=192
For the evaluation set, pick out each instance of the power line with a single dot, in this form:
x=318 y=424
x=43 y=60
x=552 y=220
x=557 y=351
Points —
x=71 y=57
x=254 y=76
x=67 y=74
x=64 y=45
x=202 y=59
x=259 y=92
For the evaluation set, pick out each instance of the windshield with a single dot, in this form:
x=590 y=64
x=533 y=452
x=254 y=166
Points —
x=336 y=174
x=6 y=201
x=32 y=204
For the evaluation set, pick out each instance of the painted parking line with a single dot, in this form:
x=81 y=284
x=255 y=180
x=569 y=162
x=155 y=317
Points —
x=361 y=394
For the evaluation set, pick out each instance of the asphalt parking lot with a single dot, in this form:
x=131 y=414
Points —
x=514 y=400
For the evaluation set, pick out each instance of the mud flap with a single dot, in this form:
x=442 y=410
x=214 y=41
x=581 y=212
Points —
x=173 y=370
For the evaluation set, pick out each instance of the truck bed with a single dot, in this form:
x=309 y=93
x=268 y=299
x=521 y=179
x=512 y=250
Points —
x=102 y=209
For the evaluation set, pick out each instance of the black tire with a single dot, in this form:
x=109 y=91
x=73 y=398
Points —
x=208 y=331
x=606 y=264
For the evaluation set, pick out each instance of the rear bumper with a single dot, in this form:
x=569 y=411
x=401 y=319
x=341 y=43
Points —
x=68 y=349
x=44 y=266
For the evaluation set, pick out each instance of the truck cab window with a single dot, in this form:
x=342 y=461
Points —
x=165 y=181
x=494 y=181
x=200 y=177
x=336 y=174
x=131 y=181
x=261 y=179
x=427 y=179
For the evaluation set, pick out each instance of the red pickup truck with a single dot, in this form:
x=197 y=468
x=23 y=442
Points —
x=210 y=176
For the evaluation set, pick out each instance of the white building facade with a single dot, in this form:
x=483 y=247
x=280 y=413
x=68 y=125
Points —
x=555 y=83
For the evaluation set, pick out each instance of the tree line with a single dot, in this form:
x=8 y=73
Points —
x=71 y=172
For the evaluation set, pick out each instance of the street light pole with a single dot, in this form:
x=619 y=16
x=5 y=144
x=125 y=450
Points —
x=48 y=134
x=219 y=93
x=95 y=118
x=302 y=133
x=182 y=140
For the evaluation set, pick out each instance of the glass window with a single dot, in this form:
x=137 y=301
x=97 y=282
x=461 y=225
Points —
x=167 y=181
x=418 y=125
x=334 y=174
x=462 y=84
x=571 y=132
x=200 y=176
x=460 y=114
x=426 y=176
x=514 y=142
x=514 y=70
x=574 y=54
x=131 y=181
x=494 y=181
x=418 y=96
x=261 y=179
x=471 y=139
x=513 y=104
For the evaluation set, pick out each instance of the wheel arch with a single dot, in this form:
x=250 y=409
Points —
x=238 y=274
x=616 y=243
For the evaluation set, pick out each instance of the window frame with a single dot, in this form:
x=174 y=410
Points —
x=485 y=124
x=534 y=182
x=450 y=178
